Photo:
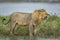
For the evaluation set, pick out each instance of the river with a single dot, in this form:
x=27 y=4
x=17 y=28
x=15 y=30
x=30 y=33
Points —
x=24 y=38
x=8 y=8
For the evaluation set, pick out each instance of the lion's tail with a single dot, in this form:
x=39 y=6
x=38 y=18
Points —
x=4 y=20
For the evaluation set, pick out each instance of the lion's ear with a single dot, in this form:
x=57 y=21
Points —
x=35 y=14
x=42 y=10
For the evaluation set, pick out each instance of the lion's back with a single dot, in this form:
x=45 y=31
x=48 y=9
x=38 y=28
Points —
x=21 y=17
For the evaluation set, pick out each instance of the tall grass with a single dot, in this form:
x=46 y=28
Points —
x=50 y=27
x=47 y=28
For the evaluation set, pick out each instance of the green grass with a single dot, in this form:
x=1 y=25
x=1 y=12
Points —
x=50 y=27
x=47 y=28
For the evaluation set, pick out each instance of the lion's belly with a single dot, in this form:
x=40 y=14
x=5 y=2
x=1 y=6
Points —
x=21 y=22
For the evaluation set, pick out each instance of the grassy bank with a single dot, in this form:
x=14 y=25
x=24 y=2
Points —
x=47 y=28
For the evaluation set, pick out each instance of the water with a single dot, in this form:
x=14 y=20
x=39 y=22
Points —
x=24 y=38
x=8 y=8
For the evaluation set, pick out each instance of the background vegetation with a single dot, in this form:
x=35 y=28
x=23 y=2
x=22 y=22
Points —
x=47 y=28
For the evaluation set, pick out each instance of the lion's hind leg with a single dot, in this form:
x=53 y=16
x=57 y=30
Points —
x=12 y=27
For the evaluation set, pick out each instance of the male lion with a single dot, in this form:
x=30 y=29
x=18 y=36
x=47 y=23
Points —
x=31 y=19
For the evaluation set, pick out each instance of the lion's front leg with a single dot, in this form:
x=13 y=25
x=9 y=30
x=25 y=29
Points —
x=31 y=32
x=35 y=30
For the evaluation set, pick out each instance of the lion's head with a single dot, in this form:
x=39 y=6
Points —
x=39 y=15
x=43 y=14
